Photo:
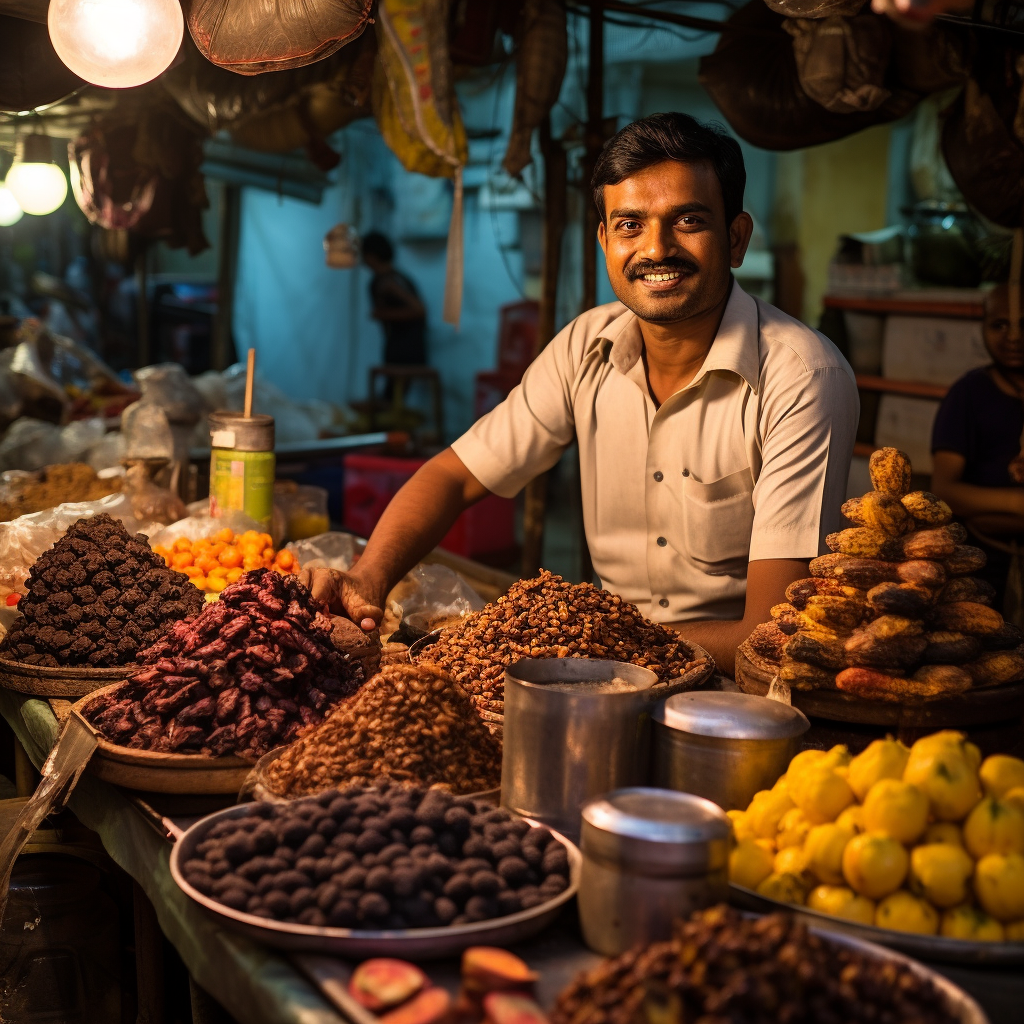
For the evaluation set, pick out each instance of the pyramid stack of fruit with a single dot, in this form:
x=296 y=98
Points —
x=893 y=613
x=927 y=840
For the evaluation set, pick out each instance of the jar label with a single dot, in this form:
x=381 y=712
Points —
x=242 y=482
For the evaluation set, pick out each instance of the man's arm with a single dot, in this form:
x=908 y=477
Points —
x=412 y=525
x=998 y=510
x=767 y=580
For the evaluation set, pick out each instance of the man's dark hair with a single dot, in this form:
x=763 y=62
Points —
x=673 y=136
x=378 y=245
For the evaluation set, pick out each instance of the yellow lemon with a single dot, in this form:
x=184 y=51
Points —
x=793 y=860
x=897 y=809
x=821 y=794
x=999 y=885
x=837 y=757
x=787 y=888
x=1000 y=773
x=793 y=829
x=943 y=832
x=967 y=922
x=1014 y=931
x=852 y=818
x=749 y=864
x=994 y=826
x=740 y=826
x=781 y=784
x=881 y=759
x=839 y=901
x=1015 y=796
x=874 y=865
x=946 y=778
x=824 y=852
x=904 y=912
x=766 y=811
x=766 y=844
x=939 y=872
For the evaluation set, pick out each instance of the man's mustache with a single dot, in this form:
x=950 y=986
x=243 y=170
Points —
x=665 y=266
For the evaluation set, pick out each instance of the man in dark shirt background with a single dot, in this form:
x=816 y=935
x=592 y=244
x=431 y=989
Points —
x=976 y=443
x=396 y=304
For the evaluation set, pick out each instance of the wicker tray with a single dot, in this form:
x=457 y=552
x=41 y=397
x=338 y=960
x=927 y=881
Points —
x=976 y=707
x=60 y=680
x=410 y=944
x=150 y=771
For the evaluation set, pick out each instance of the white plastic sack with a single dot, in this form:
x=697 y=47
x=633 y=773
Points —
x=332 y=550
x=438 y=596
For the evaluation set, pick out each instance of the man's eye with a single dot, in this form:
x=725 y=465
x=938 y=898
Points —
x=690 y=220
x=629 y=225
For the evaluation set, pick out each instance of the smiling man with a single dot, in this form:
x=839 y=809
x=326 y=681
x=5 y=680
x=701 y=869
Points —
x=715 y=432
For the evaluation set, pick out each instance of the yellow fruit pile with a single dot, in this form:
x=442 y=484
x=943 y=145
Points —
x=213 y=562
x=927 y=840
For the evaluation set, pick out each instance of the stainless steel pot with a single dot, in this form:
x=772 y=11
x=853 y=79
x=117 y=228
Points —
x=562 y=747
x=649 y=856
x=724 y=746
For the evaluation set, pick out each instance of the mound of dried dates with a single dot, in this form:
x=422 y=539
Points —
x=253 y=671
x=97 y=598
x=548 y=617
x=409 y=722
x=722 y=967
x=383 y=856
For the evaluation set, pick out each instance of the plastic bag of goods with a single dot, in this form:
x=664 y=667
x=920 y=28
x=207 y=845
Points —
x=433 y=596
x=333 y=550
x=304 y=509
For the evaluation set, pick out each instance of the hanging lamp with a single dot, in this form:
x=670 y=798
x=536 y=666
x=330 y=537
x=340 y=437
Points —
x=35 y=181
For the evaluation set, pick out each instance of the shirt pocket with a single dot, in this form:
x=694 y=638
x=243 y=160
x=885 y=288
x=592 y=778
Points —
x=718 y=518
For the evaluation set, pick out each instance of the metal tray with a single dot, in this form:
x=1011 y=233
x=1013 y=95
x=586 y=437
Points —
x=410 y=944
x=934 y=948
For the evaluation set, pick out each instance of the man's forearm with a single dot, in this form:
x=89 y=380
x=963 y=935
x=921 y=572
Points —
x=969 y=500
x=415 y=521
x=719 y=638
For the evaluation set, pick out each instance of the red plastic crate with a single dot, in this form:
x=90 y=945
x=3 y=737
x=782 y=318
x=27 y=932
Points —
x=371 y=481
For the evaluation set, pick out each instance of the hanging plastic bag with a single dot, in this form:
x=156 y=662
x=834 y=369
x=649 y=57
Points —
x=252 y=36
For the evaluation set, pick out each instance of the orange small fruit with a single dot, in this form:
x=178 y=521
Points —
x=216 y=583
x=251 y=562
x=233 y=574
x=225 y=536
x=285 y=559
x=230 y=557
x=201 y=582
x=192 y=571
x=182 y=544
x=180 y=559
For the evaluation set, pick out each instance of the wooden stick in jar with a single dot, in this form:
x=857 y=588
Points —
x=250 y=373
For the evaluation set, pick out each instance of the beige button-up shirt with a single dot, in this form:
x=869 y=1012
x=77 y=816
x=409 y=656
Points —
x=749 y=461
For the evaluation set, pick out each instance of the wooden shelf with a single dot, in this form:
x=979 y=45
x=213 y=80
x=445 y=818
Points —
x=907 y=388
x=965 y=309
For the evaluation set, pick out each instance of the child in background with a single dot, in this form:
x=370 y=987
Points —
x=976 y=445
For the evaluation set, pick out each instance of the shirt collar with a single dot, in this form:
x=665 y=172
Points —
x=735 y=348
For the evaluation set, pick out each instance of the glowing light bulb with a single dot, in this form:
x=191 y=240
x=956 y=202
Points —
x=36 y=182
x=116 y=43
x=10 y=211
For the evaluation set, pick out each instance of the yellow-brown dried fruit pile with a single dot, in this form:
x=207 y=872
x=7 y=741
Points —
x=410 y=723
x=97 y=598
x=721 y=967
x=67 y=481
x=548 y=617
x=893 y=613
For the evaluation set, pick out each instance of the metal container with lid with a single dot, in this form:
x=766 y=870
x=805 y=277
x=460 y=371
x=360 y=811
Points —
x=242 y=465
x=567 y=740
x=724 y=746
x=649 y=856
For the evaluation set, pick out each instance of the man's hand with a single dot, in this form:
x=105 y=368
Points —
x=346 y=594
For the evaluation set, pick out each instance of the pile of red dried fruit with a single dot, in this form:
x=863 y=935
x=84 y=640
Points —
x=97 y=598
x=497 y=987
x=372 y=857
x=721 y=967
x=253 y=671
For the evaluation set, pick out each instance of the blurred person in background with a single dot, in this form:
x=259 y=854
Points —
x=978 y=466
x=396 y=305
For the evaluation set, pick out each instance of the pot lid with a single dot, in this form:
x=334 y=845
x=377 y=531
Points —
x=734 y=716
x=657 y=816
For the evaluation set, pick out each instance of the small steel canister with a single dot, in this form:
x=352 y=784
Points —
x=561 y=747
x=650 y=856
x=724 y=746
x=242 y=465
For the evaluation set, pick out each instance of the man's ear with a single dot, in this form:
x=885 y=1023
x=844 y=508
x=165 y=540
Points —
x=740 y=231
x=602 y=237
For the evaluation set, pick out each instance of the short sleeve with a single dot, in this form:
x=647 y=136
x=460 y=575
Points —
x=527 y=433
x=951 y=430
x=808 y=424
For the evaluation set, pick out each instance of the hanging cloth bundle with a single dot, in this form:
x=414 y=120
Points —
x=417 y=112
x=252 y=36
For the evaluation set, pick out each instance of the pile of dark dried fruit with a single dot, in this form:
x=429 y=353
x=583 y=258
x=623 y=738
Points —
x=97 y=598
x=548 y=617
x=722 y=967
x=253 y=671
x=378 y=857
x=409 y=722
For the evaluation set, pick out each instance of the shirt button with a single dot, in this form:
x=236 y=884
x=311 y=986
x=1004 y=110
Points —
x=663 y=602
x=686 y=472
x=662 y=542
x=659 y=476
